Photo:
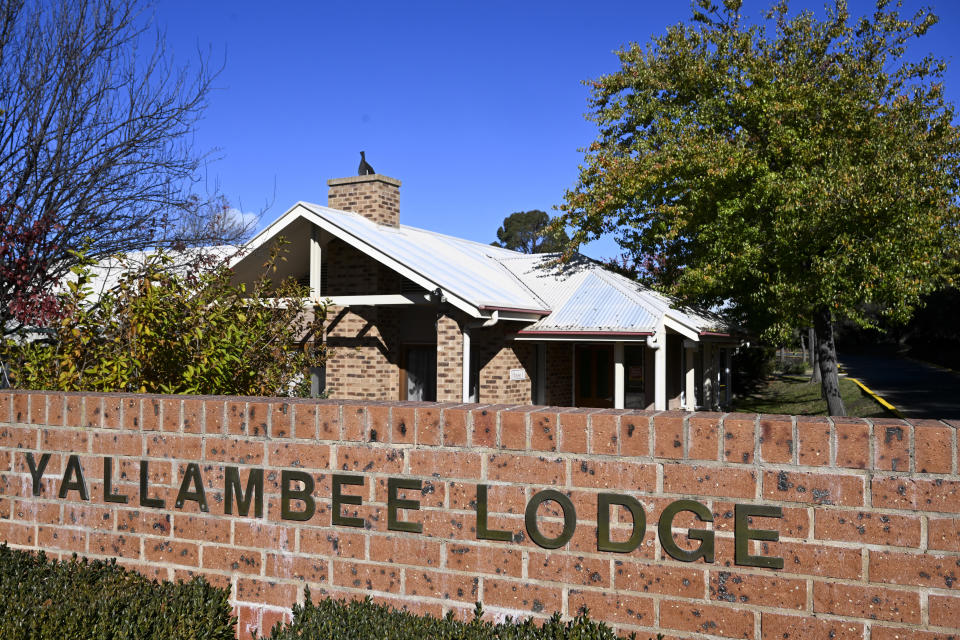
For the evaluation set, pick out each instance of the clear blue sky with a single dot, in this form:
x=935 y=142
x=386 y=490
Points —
x=476 y=106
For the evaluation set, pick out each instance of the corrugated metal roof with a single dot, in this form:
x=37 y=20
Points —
x=579 y=295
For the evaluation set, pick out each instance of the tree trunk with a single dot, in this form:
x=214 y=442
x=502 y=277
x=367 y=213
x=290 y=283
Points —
x=803 y=351
x=827 y=357
x=814 y=361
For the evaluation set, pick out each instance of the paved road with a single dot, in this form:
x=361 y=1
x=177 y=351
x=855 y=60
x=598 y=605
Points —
x=918 y=390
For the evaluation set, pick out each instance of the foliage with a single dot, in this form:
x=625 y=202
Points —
x=166 y=328
x=798 y=168
x=342 y=620
x=104 y=601
x=530 y=232
x=96 y=122
x=793 y=395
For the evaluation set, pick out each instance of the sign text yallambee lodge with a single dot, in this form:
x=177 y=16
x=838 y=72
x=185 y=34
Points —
x=296 y=490
x=691 y=525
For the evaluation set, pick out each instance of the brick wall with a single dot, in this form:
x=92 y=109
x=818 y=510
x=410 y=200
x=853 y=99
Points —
x=449 y=359
x=497 y=356
x=375 y=197
x=869 y=531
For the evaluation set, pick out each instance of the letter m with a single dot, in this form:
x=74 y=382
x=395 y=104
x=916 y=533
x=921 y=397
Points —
x=254 y=491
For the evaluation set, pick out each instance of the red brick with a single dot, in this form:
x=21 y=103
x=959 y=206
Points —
x=301 y=455
x=327 y=542
x=370 y=459
x=738 y=438
x=853 y=443
x=21 y=408
x=371 y=577
x=393 y=549
x=520 y=595
x=403 y=425
x=619 y=608
x=892 y=443
x=429 y=431
x=6 y=407
x=145 y=521
x=933 y=447
x=634 y=435
x=436 y=584
x=944 y=611
x=775 y=626
x=206 y=528
x=878 y=632
x=703 y=437
x=56 y=408
x=173 y=446
x=573 y=431
x=263 y=535
x=214 y=416
x=73 y=412
x=816 y=559
x=192 y=415
x=221 y=558
x=115 y=545
x=629 y=575
x=754 y=589
x=507 y=467
x=455 y=427
x=235 y=420
x=17 y=534
x=87 y=516
x=354 y=423
x=868 y=528
x=513 y=430
x=545 y=433
x=813 y=441
x=874 y=603
x=816 y=488
x=484 y=432
x=569 y=569
x=258 y=418
x=291 y=566
x=266 y=592
x=280 y=423
x=171 y=551
x=485 y=558
x=943 y=534
x=629 y=476
x=19 y=438
x=150 y=411
x=776 y=439
x=113 y=443
x=604 y=434
x=714 y=481
x=924 y=569
x=729 y=622
x=916 y=494
x=439 y=524
x=668 y=435
x=444 y=464
x=38 y=408
x=171 y=414
x=66 y=439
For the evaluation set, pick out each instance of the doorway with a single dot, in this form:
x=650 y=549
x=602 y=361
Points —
x=594 y=381
x=418 y=372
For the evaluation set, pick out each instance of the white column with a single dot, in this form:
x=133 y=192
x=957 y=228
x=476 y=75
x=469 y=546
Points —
x=466 y=363
x=709 y=389
x=618 y=377
x=729 y=367
x=316 y=262
x=660 y=370
x=690 y=376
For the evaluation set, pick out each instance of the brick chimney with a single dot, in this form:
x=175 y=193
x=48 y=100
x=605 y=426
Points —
x=375 y=197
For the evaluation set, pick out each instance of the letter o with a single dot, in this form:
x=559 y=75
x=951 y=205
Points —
x=569 y=519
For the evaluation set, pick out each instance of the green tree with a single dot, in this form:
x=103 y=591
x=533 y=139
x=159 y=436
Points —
x=530 y=232
x=798 y=168
x=170 y=327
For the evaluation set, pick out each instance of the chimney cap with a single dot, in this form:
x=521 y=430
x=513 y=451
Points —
x=373 y=177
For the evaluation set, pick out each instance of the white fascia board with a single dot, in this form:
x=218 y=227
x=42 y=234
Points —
x=298 y=210
x=681 y=328
x=379 y=300
x=579 y=338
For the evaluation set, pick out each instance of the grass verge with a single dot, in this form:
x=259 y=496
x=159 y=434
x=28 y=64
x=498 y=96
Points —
x=794 y=395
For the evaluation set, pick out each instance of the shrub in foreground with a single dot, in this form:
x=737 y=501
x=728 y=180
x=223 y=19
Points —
x=47 y=599
x=331 y=619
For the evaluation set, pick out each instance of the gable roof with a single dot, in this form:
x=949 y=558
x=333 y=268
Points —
x=577 y=297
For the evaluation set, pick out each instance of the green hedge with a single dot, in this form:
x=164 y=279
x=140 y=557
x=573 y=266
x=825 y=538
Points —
x=365 y=620
x=46 y=599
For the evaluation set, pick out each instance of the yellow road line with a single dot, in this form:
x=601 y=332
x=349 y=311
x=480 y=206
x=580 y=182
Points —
x=873 y=395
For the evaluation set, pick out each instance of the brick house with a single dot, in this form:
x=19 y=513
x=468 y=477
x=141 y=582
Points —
x=417 y=315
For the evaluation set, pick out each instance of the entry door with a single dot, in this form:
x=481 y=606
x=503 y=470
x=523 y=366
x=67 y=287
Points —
x=418 y=377
x=594 y=382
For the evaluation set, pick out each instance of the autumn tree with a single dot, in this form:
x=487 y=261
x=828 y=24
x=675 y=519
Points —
x=530 y=232
x=96 y=121
x=797 y=169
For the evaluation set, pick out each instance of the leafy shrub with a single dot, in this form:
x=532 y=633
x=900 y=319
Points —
x=355 y=620
x=168 y=327
x=80 y=600
x=751 y=367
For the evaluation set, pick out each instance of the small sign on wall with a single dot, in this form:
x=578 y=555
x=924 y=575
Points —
x=518 y=374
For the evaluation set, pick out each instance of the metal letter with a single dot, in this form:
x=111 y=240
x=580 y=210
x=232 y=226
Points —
x=394 y=503
x=743 y=534
x=191 y=475
x=254 y=493
x=339 y=499
x=604 y=500
x=108 y=494
x=569 y=519
x=146 y=501
x=665 y=526
x=73 y=479
x=37 y=473
x=484 y=533
x=288 y=493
